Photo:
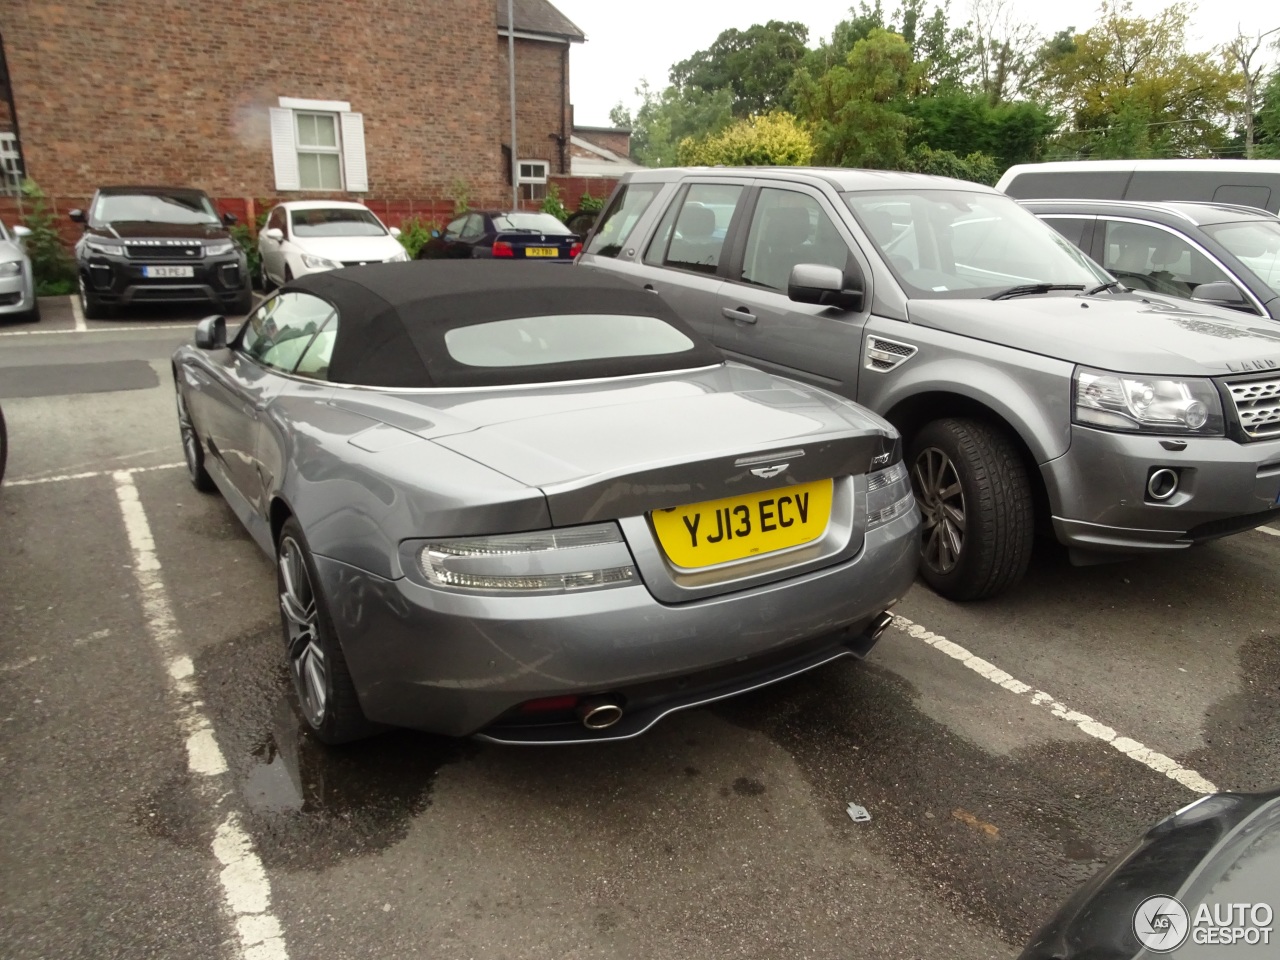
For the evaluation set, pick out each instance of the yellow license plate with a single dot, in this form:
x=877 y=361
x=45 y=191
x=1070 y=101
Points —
x=542 y=251
x=738 y=528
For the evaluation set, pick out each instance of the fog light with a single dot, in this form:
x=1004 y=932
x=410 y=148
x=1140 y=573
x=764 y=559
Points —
x=1162 y=484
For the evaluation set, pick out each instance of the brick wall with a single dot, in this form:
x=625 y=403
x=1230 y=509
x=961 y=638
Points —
x=542 y=108
x=176 y=91
x=573 y=188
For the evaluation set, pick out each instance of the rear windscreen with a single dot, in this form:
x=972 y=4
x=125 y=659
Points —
x=572 y=338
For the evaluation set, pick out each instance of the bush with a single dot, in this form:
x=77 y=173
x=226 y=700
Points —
x=977 y=167
x=590 y=204
x=553 y=204
x=243 y=236
x=462 y=194
x=414 y=234
x=764 y=140
x=54 y=270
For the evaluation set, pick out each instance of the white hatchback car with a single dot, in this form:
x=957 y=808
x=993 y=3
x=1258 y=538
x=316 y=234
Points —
x=309 y=236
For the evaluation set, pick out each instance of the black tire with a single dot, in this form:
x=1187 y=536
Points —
x=192 y=450
x=973 y=491
x=91 y=306
x=288 y=273
x=267 y=283
x=326 y=693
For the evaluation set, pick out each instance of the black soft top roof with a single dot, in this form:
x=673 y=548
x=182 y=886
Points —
x=393 y=318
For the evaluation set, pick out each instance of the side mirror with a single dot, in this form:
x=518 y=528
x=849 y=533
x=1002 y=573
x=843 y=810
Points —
x=435 y=234
x=825 y=286
x=394 y=231
x=275 y=233
x=76 y=215
x=1220 y=293
x=211 y=333
x=21 y=232
x=229 y=219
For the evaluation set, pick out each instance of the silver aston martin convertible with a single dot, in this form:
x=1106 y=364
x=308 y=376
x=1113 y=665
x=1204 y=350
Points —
x=532 y=505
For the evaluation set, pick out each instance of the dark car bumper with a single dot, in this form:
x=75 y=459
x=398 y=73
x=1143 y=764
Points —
x=120 y=281
x=437 y=660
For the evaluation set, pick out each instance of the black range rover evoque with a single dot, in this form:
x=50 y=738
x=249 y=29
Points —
x=158 y=244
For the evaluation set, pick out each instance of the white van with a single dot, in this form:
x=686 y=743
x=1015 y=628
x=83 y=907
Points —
x=1254 y=183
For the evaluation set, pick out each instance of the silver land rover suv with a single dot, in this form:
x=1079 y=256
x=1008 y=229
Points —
x=1032 y=390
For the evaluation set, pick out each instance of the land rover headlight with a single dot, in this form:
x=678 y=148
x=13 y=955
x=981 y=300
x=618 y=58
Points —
x=564 y=560
x=105 y=246
x=218 y=249
x=1145 y=404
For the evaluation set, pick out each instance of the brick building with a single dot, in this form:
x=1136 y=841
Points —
x=403 y=106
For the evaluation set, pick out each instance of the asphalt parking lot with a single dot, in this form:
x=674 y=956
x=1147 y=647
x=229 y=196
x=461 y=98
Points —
x=161 y=799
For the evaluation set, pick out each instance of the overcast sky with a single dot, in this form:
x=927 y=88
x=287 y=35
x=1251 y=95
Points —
x=628 y=41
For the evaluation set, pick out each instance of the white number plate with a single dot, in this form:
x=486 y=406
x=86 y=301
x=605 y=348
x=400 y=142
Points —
x=158 y=272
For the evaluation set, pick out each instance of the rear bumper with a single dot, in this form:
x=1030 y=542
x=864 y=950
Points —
x=1099 y=491
x=454 y=664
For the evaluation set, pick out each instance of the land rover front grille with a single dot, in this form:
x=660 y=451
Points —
x=190 y=252
x=1257 y=405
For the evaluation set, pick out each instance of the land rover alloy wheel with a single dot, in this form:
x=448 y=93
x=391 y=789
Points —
x=975 y=502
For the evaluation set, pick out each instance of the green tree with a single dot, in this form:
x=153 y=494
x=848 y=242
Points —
x=856 y=109
x=774 y=139
x=756 y=64
x=1267 y=123
x=1127 y=73
x=664 y=119
x=965 y=122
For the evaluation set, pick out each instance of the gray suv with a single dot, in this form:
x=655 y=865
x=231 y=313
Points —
x=1032 y=390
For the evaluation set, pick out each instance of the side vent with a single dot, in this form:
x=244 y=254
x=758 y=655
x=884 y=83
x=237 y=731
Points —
x=884 y=355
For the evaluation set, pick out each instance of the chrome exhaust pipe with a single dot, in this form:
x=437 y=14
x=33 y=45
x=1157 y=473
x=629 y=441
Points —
x=879 y=624
x=599 y=713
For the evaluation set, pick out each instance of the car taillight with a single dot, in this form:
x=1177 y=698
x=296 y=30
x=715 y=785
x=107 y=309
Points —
x=503 y=249
x=575 y=250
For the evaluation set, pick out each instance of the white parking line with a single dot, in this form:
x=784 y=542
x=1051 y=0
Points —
x=77 y=313
x=62 y=478
x=79 y=329
x=1271 y=530
x=246 y=890
x=1130 y=748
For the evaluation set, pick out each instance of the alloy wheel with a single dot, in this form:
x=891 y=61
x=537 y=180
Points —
x=190 y=442
x=937 y=488
x=306 y=653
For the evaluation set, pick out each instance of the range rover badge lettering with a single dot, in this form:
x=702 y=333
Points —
x=880 y=459
x=765 y=473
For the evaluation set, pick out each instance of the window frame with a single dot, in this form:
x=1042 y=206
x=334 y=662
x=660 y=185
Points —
x=730 y=243
x=532 y=180
x=335 y=151
x=238 y=347
x=748 y=220
x=1100 y=251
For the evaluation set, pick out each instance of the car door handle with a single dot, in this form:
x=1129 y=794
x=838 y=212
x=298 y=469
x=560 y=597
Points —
x=740 y=314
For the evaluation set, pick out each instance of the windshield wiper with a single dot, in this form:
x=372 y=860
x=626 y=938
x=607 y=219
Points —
x=1027 y=289
x=1109 y=285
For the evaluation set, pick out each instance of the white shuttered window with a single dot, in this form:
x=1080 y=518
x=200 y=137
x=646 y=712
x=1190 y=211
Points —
x=318 y=145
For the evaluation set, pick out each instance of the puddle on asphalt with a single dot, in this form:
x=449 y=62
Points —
x=308 y=805
x=1242 y=731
